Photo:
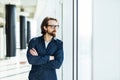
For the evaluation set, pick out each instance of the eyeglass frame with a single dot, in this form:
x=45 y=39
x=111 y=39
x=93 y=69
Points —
x=53 y=26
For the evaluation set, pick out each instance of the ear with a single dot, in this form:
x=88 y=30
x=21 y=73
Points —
x=45 y=28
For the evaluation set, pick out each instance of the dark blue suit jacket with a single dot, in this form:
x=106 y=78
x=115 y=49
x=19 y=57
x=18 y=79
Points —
x=42 y=67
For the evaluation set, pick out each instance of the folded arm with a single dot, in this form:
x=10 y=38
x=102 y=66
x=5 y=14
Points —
x=33 y=57
x=58 y=59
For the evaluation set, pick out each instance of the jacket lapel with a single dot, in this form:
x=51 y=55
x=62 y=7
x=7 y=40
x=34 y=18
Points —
x=42 y=45
x=51 y=48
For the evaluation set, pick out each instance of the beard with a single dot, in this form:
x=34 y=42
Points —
x=51 y=33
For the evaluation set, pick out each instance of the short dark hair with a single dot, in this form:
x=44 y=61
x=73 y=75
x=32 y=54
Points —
x=45 y=23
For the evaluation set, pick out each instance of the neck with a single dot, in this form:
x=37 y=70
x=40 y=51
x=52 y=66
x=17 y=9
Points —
x=47 y=37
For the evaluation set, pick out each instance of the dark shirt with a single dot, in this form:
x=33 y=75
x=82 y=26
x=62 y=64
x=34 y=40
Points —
x=42 y=67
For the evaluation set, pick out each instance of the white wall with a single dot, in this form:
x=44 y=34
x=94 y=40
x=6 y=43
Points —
x=68 y=39
x=84 y=39
x=106 y=40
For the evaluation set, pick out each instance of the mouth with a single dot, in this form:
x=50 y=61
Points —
x=54 y=31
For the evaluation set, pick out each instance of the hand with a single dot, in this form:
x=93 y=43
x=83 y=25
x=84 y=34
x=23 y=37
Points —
x=51 y=58
x=33 y=52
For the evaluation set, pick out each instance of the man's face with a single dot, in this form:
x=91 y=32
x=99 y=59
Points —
x=52 y=27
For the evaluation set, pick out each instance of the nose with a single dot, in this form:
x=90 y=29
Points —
x=55 y=30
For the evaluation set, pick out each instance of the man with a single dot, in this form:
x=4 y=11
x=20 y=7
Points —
x=45 y=53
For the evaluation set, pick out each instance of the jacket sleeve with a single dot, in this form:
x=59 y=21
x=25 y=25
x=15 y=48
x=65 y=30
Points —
x=35 y=60
x=59 y=56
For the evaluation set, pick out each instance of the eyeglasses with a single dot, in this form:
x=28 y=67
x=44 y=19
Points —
x=53 y=26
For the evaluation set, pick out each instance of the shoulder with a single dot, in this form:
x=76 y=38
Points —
x=35 y=39
x=58 y=41
x=33 y=42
